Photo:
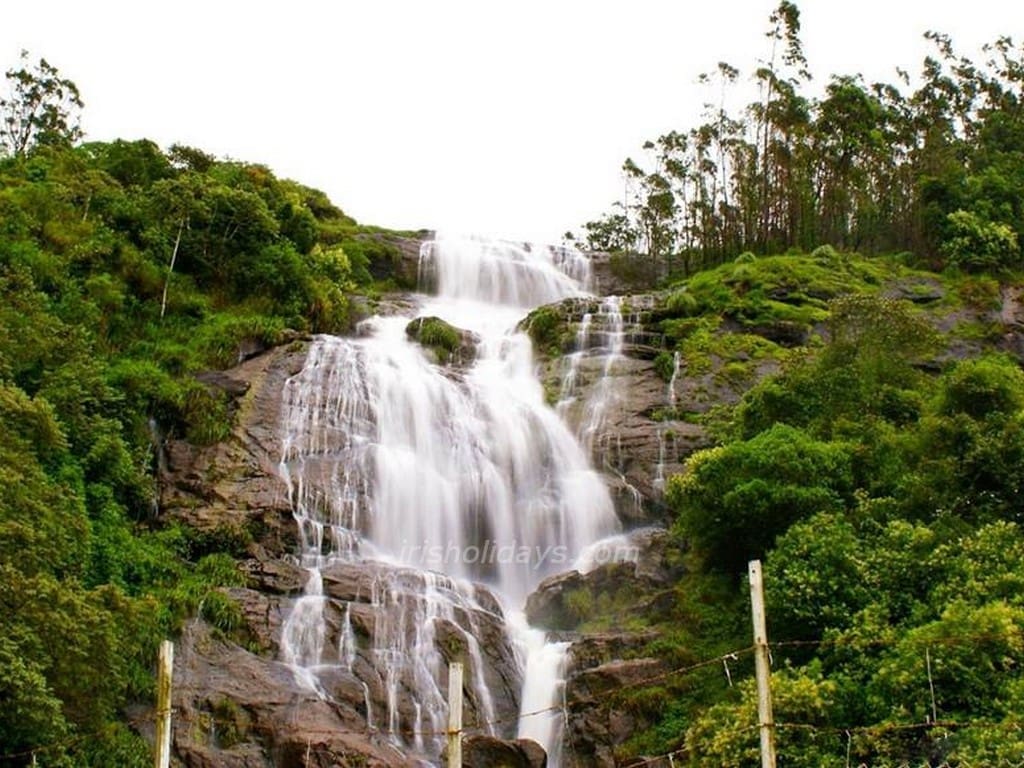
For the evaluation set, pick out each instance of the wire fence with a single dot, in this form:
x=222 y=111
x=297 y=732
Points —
x=608 y=699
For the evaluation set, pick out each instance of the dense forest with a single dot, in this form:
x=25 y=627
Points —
x=933 y=168
x=879 y=473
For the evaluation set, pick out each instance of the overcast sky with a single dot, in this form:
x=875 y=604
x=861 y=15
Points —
x=505 y=118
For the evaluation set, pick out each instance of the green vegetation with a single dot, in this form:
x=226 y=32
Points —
x=125 y=271
x=877 y=473
x=873 y=167
x=884 y=501
x=435 y=334
x=547 y=330
x=779 y=289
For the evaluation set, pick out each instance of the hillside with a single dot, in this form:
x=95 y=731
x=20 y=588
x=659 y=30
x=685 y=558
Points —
x=855 y=423
x=129 y=276
x=801 y=341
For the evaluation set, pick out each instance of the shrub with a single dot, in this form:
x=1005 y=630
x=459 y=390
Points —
x=434 y=333
x=976 y=245
x=665 y=365
x=982 y=388
x=734 y=500
x=827 y=255
x=682 y=303
x=544 y=326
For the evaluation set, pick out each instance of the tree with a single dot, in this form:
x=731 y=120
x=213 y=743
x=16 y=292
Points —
x=734 y=500
x=40 y=109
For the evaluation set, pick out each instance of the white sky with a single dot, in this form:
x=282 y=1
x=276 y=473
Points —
x=506 y=118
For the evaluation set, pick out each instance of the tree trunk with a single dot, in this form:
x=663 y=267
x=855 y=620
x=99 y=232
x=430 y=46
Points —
x=170 y=269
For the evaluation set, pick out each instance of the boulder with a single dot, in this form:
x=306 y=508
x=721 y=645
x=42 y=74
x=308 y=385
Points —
x=489 y=752
x=594 y=650
x=598 y=720
x=548 y=606
x=561 y=602
x=448 y=344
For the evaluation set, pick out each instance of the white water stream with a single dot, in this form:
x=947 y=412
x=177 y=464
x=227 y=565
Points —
x=454 y=477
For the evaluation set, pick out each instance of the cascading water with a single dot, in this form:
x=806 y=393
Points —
x=663 y=436
x=601 y=338
x=452 y=477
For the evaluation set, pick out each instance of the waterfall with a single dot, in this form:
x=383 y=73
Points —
x=601 y=338
x=457 y=484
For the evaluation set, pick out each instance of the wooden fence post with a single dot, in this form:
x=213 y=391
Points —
x=762 y=667
x=455 y=715
x=164 y=673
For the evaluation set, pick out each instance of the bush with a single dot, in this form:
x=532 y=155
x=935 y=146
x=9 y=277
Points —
x=827 y=255
x=734 y=500
x=976 y=245
x=665 y=365
x=981 y=388
x=682 y=303
x=545 y=328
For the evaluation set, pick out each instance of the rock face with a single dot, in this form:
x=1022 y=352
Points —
x=565 y=600
x=235 y=709
x=619 y=274
x=596 y=724
x=609 y=379
x=401 y=260
x=241 y=707
x=239 y=704
x=233 y=485
x=604 y=666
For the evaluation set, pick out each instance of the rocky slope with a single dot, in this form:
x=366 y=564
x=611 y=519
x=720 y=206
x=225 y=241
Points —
x=656 y=416
x=238 y=705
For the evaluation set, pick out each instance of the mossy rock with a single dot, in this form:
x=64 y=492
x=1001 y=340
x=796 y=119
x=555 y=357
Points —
x=545 y=326
x=449 y=344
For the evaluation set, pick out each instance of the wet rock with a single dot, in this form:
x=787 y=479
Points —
x=647 y=425
x=214 y=675
x=234 y=484
x=387 y=305
x=381 y=598
x=272 y=574
x=599 y=717
x=489 y=752
x=535 y=754
x=231 y=492
x=234 y=708
x=549 y=605
x=263 y=615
